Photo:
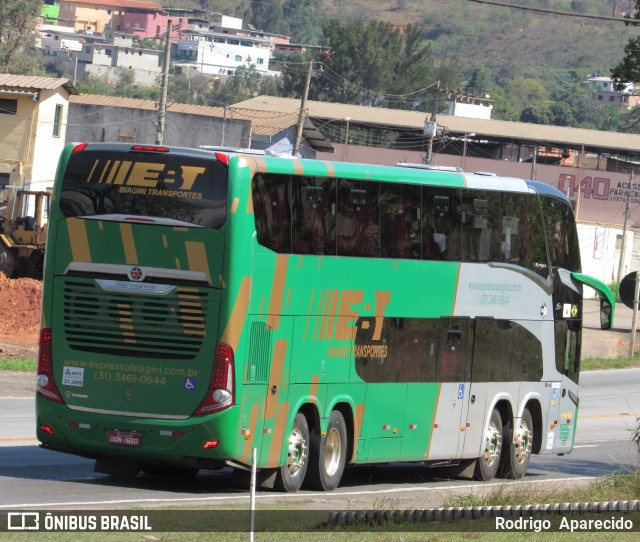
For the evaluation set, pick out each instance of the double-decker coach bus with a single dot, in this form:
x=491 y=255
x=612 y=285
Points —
x=198 y=304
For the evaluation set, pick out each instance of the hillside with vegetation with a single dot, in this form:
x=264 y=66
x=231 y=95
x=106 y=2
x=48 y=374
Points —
x=392 y=53
x=531 y=64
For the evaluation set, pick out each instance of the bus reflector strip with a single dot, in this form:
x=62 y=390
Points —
x=267 y=431
x=77 y=425
x=171 y=433
x=209 y=444
x=386 y=427
x=413 y=426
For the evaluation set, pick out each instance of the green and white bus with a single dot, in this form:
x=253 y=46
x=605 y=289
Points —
x=198 y=304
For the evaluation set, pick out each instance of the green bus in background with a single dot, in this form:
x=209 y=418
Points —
x=201 y=303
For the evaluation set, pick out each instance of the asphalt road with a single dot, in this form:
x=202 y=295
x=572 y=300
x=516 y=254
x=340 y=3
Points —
x=34 y=478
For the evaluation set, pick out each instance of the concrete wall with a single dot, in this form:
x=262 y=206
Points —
x=100 y=123
x=47 y=146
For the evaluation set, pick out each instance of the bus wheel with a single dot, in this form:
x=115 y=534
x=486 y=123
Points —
x=291 y=475
x=488 y=462
x=520 y=444
x=329 y=454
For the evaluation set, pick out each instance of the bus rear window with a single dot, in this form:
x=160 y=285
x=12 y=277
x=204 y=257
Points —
x=168 y=186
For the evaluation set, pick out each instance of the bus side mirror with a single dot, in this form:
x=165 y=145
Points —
x=605 y=314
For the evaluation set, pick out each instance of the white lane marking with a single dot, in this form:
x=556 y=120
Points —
x=586 y=446
x=303 y=496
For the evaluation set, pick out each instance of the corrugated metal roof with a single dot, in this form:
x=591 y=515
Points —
x=264 y=124
x=592 y=140
x=26 y=82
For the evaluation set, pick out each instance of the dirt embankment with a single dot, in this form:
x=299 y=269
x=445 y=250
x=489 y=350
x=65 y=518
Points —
x=20 y=301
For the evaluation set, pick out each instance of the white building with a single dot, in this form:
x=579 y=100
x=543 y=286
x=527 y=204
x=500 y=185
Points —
x=216 y=53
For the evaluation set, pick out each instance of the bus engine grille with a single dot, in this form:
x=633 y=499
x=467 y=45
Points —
x=129 y=324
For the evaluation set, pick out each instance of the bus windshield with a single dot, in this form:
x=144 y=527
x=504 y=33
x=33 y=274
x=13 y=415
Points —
x=174 y=187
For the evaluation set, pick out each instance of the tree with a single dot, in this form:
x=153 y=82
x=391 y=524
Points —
x=17 y=22
x=524 y=93
x=375 y=63
x=628 y=71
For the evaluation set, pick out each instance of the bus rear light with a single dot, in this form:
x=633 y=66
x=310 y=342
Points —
x=44 y=381
x=221 y=392
x=222 y=158
x=79 y=148
x=208 y=445
x=149 y=148
x=46 y=429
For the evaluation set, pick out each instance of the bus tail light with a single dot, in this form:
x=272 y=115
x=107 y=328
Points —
x=44 y=381
x=222 y=158
x=221 y=392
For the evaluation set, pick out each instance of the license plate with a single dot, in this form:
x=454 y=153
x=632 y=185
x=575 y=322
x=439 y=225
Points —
x=118 y=438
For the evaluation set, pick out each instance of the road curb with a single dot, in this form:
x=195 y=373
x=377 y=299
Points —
x=458 y=513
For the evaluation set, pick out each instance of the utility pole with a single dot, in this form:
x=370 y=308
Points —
x=162 y=108
x=302 y=114
x=623 y=248
x=435 y=127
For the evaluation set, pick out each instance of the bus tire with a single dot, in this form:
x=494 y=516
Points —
x=328 y=454
x=488 y=463
x=290 y=476
x=518 y=452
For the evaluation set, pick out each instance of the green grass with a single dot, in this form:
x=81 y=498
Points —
x=26 y=364
x=622 y=362
x=617 y=486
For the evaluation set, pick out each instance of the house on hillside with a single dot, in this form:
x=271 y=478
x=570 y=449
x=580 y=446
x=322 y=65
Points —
x=217 y=53
x=33 y=126
x=606 y=93
x=91 y=16
x=99 y=54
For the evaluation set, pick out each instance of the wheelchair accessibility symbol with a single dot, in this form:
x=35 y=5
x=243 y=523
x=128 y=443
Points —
x=189 y=384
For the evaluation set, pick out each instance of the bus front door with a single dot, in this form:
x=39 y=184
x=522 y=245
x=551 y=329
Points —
x=564 y=395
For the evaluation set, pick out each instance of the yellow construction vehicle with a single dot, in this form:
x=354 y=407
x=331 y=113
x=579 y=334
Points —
x=23 y=231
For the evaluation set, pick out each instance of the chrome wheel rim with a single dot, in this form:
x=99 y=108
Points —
x=333 y=449
x=297 y=452
x=522 y=442
x=493 y=443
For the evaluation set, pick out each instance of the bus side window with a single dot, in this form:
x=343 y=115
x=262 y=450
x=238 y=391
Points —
x=480 y=226
x=375 y=359
x=526 y=361
x=399 y=220
x=567 y=348
x=272 y=211
x=313 y=218
x=453 y=350
x=358 y=218
x=440 y=223
x=561 y=234
x=492 y=350
x=416 y=349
